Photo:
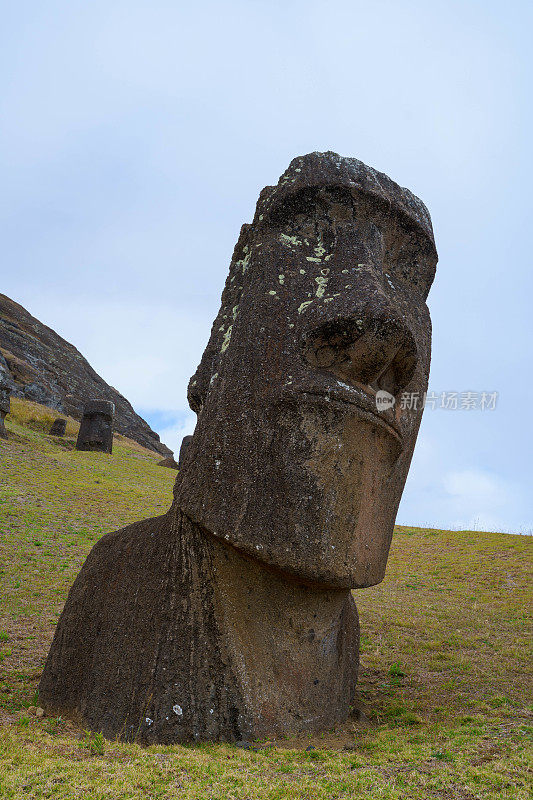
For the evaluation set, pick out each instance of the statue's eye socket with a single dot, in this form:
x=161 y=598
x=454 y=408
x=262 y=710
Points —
x=339 y=195
x=312 y=203
x=301 y=203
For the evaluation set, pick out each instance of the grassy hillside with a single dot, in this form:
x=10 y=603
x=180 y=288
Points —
x=443 y=710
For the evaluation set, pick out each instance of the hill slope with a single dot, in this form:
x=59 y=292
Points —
x=444 y=663
x=43 y=367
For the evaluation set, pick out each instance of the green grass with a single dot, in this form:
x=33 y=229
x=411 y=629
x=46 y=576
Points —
x=444 y=654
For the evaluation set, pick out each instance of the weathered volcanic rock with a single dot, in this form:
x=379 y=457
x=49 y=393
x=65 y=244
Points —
x=96 y=429
x=43 y=367
x=170 y=463
x=169 y=636
x=231 y=617
x=183 y=449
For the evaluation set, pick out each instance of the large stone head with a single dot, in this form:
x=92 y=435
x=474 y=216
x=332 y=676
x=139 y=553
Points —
x=324 y=306
x=96 y=429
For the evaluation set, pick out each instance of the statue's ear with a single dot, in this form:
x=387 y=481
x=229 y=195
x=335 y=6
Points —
x=221 y=331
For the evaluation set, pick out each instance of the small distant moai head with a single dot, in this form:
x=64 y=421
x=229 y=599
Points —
x=168 y=462
x=309 y=394
x=59 y=426
x=186 y=441
x=96 y=429
x=5 y=406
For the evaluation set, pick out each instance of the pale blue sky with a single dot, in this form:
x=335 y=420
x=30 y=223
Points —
x=135 y=137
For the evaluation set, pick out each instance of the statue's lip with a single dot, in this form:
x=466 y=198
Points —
x=362 y=398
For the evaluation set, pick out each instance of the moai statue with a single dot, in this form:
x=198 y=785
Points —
x=232 y=616
x=5 y=405
x=96 y=429
x=59 y=426
x=168 y=462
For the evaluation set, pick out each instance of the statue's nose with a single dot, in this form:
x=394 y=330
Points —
x=370 y=345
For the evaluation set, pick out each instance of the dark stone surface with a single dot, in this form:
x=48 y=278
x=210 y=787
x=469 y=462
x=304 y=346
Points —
x=59 y=427
x=323 y=306
x=235 y=608
x=186 y=441
x=43 y=367
x=167 y=635
x=5 y=405
x=96 y=429
x=170 y=463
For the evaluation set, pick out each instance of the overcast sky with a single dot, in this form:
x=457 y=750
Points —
x=136 y=136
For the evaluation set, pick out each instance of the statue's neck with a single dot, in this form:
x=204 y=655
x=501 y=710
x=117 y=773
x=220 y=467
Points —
x=293 y=648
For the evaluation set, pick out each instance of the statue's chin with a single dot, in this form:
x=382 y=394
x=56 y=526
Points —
x=317 y=548
x=316 y=498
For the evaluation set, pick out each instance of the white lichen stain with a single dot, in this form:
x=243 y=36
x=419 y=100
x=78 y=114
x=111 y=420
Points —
x=227 y=335
x=273 y=293
x=322 y=283
x=320 y=250
x=244 y=262
x=303 y=306
x=289 y=241
x=302 y=272
x=213 y=378
x=226 y=340
x=281 y=279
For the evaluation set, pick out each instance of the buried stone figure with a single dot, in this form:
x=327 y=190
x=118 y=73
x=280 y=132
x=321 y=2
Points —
x=96 y=428
x=232 y=616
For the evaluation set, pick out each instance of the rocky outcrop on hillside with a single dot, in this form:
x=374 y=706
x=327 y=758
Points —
x=39 y=365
